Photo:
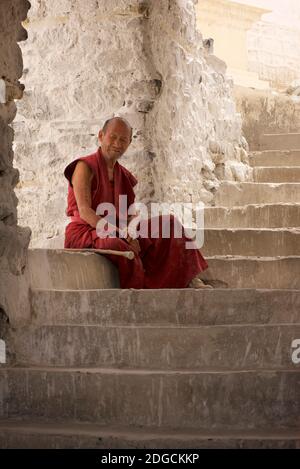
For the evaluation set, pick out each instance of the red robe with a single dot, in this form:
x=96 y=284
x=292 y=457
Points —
x=162 y=262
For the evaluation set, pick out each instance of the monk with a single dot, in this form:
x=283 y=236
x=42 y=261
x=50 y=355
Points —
x=158 y=262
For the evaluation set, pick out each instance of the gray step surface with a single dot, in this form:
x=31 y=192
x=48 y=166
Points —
x=48 y=435
x=276 y=174
x=165 y=307
x=253 y=216
x=254 y=272
x=275 y=158
x=232 y=194
x=67 y=269
x=177 y=399
x=251 y=242
x=65 y=272
x=282 y=141
x=231 y=347
x=235 y=271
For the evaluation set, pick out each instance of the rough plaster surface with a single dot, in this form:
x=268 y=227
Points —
x=86 y=61
x=266 y=112
x=14 y=240
x=194 y=130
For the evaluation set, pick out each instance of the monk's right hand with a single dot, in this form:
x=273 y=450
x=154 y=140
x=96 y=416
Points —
x=105 y=229
x=134 y=244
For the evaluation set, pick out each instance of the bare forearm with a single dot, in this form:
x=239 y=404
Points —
x=89 y=216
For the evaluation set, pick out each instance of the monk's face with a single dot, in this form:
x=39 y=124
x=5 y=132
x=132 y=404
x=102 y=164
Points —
x=115 y=140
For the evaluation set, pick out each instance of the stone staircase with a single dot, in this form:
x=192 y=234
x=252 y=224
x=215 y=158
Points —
x=108 y=368
x=255 y=227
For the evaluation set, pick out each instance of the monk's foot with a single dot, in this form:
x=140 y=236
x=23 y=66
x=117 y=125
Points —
x=198 y=283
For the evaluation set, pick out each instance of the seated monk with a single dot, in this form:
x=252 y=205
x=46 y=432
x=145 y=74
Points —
x=158 y=262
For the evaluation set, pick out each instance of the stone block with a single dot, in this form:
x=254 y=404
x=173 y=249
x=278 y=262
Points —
x=232 y=194
x=167 y=307
x=251 y=242
x=229 y=347
x=33 y=434
x=282 y=141
x=275 y=158
x=261 y=216
x=63 y=270
x=277 y=174
x=255 y=272
x=176 y=399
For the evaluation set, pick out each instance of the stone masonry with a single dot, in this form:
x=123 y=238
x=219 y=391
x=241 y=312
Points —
x=266 y=112
x=14 y=240
x=144 y=60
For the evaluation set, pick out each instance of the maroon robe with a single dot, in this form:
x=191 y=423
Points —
x=162 y=262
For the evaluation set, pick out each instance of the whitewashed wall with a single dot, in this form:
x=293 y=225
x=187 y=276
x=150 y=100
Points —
x=86 y=61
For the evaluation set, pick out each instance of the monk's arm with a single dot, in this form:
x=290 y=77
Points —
x=82 y=183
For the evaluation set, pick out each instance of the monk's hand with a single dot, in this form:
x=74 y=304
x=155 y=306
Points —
x=105 y=229
x=134 y=244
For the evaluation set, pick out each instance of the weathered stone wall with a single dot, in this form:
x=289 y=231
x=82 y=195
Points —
x=13 y=239
x=266 y=112
x=274 y=52
x=86 y=61
x=193 y=128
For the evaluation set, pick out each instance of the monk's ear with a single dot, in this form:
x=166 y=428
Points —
x=100 y=135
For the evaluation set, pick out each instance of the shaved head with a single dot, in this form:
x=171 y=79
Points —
x=115 y=137
x=117 y=119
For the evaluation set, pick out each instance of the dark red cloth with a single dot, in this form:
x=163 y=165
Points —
x=102 y=191
x=162 y=262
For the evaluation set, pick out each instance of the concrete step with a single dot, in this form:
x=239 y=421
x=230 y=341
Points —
x=215 y=400
x=255 y=272
x=236 y=271
x=251 y=242
x=253 y=216
x=275 y=158
x=165 y=307
x=276 y=174
x=52 y=435
x=232 y=194
x=63 y=269
x=282 y=141
x=230 y=347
